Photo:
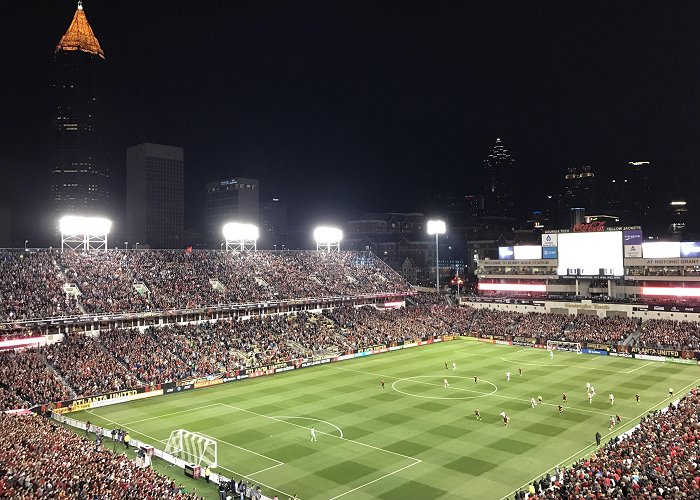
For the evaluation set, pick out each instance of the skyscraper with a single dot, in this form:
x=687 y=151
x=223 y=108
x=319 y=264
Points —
x=78 y=180
x=155 y=196
x=230 y=200
x=500 y=169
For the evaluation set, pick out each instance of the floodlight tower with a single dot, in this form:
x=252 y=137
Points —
x=328 y=239
x=241 y=237
x=84 y=233
x=436 y=227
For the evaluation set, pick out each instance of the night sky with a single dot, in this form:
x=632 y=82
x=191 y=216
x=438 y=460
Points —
x=345 y=107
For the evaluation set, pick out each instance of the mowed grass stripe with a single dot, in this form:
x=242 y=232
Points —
x=461 y=457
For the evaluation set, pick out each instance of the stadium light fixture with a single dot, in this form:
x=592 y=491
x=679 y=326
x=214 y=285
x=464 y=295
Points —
x=84 y=233
x=241 y=237
x=328 y=238
x=437 y=227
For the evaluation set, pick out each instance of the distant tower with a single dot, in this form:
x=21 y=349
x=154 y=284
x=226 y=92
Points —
x=78 y=180
x=500 y=168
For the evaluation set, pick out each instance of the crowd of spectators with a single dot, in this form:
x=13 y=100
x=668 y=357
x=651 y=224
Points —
x=42 y=460
x=670 y=334
x=31 y=286
x=86 y=366
x=659 y=459
x=120 y=281
x=25 y=376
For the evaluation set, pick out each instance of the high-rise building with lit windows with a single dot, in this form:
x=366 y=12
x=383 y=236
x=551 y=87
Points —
x=78 y=178
x=500 y=171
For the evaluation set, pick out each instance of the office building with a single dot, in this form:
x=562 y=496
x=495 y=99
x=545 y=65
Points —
x=155 y=202
x=230 y=200
x=500 y=171
x=78 y=176
x=273 y=223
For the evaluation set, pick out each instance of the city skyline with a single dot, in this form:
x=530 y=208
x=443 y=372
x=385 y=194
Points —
x=394 y=105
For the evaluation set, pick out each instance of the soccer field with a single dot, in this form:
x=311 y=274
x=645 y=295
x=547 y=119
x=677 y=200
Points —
x=413 y=439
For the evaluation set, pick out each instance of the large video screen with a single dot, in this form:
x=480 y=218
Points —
x=590 y=254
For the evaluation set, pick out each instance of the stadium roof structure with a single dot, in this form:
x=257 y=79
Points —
x=80 y=36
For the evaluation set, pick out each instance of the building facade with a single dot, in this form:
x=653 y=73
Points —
x=500 y=171
x=273 y=223
x=79 y=179
x=230 y=200
x=155 y=199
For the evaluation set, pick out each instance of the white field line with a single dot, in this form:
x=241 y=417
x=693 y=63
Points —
x=574 y=408
x=244 y=449
x=375 y=480
x=266 y=468
x=580 y=452
x=219 y=465
x=642 y=366
x=165 y=414
x=321 y=432
x=287 y=417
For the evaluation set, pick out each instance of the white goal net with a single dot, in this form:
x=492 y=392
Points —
x=556 y=345
x=192 y=447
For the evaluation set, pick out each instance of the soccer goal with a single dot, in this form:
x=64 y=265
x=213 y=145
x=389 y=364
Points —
x=556 y=345
x=192 y=447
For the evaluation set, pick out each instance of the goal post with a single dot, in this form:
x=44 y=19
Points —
x=192 y=447
x=557 y=345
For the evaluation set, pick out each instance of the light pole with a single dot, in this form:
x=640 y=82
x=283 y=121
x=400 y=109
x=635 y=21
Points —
x=221 y=247
x=137 y=245
x=26 y=242
x=436 y=227
x=126 y=246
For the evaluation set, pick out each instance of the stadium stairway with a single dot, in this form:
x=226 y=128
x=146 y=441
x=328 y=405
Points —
x=634 y=336
x=71 y=391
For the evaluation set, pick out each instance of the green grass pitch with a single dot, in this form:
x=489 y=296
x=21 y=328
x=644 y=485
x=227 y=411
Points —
x=414 y=439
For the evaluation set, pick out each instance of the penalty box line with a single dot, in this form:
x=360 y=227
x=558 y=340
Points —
x=247 y=476
x=276 y=419
x=415 y=461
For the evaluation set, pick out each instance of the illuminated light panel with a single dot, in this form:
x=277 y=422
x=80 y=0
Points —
x=671 y=291
x=235 y=231
x=327 y=234
x=513 y=287
x=91 y=226
x=436 y=227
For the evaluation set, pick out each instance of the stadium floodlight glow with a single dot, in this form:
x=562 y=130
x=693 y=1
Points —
x=437 y=227
x=671 y=291
x=241 y=237
x=84 y=233
x=513 y=287
x=328 y=238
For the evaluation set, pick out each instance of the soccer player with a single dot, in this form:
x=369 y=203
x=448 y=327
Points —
x=670 y=392
x=612 y=422
x=618 y=419
x=597 y=438
x=476 y=380
x=551 y=354
x=477 y=414
x=533 y=403
x=612 y=399
x=539 y=399
x=593 y=390
x=313 y=434
x=520 y=372
x=588 y=387
x=382 y=382
x=636 y=396
x=563 y=398
x=445 y=365
x=454 y=366
x=508 y=376
x=505 y=418
x=445 y=384
x=561 y=409
x=590 y=397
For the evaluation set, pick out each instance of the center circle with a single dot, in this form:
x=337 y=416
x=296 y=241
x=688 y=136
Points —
x=406 y=379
